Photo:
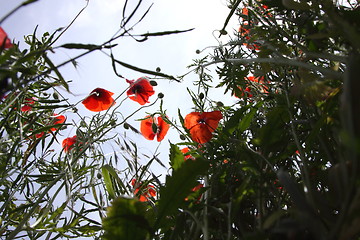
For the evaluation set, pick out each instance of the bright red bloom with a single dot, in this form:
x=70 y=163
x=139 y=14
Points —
x=246 y=92
x=39 y=135
x=140 y=90
x=58 y=119
x=143 y=192
x=257 y=82
x=4 y=40
x=245 y=11
x=244 y=31
x=187 y=156
x=252 y=46
x=202 y=125
x=99 y=100
x=27 y=104
x=150 y=128
x=260 y=82
x=68 y=143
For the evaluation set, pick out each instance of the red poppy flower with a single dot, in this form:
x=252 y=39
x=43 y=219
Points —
x=244 y=31
x=252 y=46
x=246 y=92
x=187 y=156
x=68 y=143
x=245 y=11
x=201 y=125
x=259 y=84
x=150 y=128
x=4 y=40
x=140 y=90
x=144 y=193
x=39 y=135
x=99 y=100
x=58 y=119
x=27 y=104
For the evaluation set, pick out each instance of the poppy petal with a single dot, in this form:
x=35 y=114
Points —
x=191 y=120
x=163 y=129
x=201 y=125
x=212 y=119
x=4 y=40
x=200 y=134
x=58 y=119
x=140 y=90
x=146 y=128
x=68 y=142
x=99 y=100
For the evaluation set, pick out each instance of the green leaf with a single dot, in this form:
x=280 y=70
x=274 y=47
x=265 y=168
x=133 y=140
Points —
x=115 y=176
x=165 y=33
x=55 y=69
x=81 y=46
x=28 y=2
x=145 y=70
x=176 y=156
x=177 y=188
x=126 y=219
x=246 y=121
x=108 y=183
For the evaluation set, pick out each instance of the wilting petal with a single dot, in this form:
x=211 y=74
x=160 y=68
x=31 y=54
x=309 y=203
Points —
x=146 y=128
x=140 y=90
x=163 y=128
x=99 y=100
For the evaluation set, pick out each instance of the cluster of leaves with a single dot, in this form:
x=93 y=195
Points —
x=283 y=164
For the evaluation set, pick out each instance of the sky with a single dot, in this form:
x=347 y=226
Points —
x=99 y=21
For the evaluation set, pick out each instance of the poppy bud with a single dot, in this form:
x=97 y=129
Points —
x=113 y=123
x=153 y=83
x=223 y=32
x=201 y=95
x=198 y=51
x=219 y=104
x=158 y=69
x=55 y=95
x=99 y=176
x=160 y=95
x=126 y=126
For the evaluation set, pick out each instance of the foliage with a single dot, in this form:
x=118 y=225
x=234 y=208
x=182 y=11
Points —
x=281 y=161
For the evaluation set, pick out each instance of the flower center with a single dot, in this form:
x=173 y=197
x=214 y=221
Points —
x=201 y=121
x=137 y=89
